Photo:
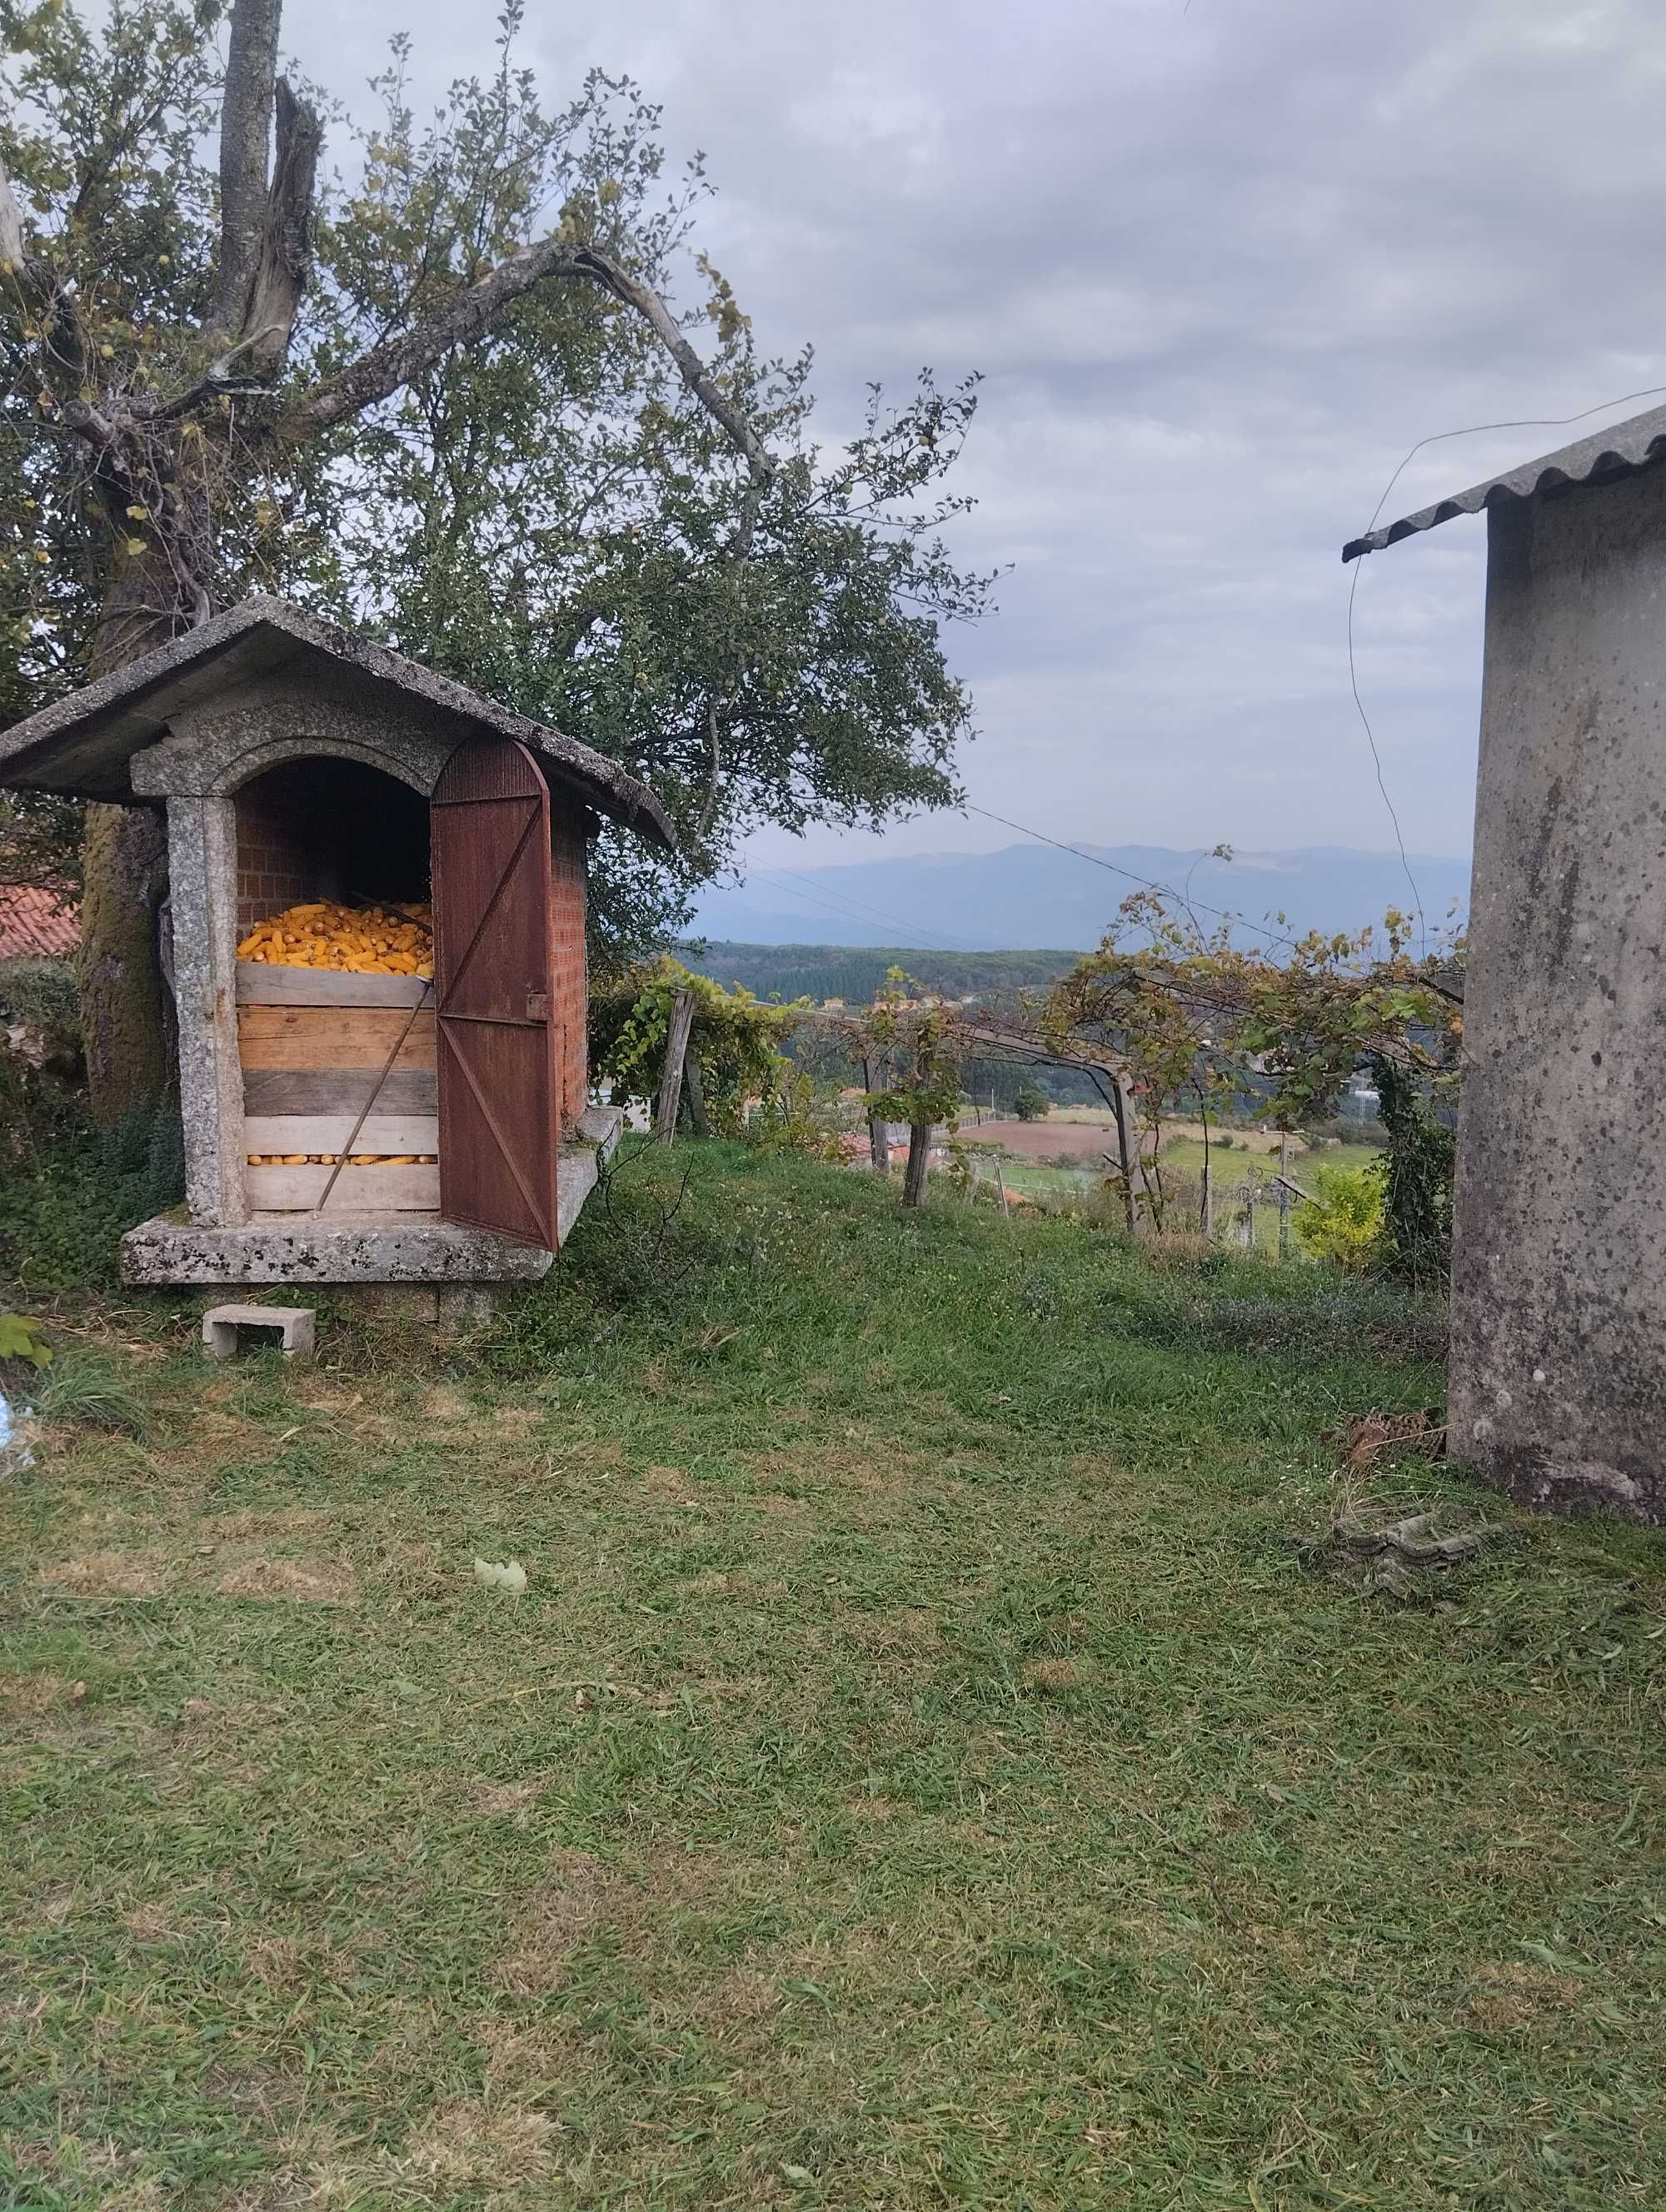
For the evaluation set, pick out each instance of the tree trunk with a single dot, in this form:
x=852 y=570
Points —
x=124 y=1015
x=125 y=1012
x=914 y=1175
x=878 y=1133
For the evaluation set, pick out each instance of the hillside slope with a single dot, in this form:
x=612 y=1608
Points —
x=855 y=973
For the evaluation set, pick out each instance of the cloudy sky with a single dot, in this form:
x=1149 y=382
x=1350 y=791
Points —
x=1221 y=264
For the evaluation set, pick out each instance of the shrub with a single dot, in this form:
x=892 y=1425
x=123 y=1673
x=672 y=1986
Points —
x=40 y=1058
x=735 y=1038
x=40 y=996
x=1342 y=1221
x=1417 y=1243
x=70 y=1190
x=1032 y=1105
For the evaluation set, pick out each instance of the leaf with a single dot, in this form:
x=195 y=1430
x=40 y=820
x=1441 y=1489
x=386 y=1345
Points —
x=20 y=1339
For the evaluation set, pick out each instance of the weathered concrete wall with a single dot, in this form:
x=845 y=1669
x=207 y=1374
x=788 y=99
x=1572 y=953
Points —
x=1559 y=1282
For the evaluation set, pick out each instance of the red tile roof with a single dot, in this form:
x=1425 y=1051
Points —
x=34 y=925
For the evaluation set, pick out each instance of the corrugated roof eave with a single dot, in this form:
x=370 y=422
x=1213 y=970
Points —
x=1620 y=450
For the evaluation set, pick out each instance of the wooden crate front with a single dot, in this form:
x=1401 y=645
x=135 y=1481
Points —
x=312 y=1042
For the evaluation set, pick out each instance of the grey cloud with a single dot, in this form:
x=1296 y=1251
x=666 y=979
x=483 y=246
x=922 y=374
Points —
x=1221 y=265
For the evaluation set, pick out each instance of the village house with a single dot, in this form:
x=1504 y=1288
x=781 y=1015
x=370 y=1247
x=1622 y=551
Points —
x=1557 y=1381
x=410 y=1118
x=35 y=925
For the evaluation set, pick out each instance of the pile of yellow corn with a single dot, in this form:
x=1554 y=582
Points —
x=355 y=940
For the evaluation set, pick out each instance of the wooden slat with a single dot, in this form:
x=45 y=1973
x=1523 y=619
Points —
x=358 y=1190
x=329 y=1133
x=319 y=1038
x=336 y=1091
x=263 y=983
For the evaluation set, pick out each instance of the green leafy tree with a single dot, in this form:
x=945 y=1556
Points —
x=1032 y=1105
x=921 y=1046
x=415 y=400
x=1199 y=1022
x=736 y=1038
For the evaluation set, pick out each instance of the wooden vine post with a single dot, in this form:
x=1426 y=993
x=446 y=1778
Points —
x=671 y=1083
x=697 y=1089
x=1127 y=1150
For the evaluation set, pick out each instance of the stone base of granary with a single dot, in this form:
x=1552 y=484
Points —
x=290 y=1247
x=363 y=1247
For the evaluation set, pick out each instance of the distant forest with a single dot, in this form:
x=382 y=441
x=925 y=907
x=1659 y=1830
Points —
x=855 y=972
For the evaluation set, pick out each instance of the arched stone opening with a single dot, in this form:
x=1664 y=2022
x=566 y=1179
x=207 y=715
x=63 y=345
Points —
x=324 y=826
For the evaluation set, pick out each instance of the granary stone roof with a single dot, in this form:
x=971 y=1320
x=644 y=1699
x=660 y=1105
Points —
x=82 y=744
x=1619 y=451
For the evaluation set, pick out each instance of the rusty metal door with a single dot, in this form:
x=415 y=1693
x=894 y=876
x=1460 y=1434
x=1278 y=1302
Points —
x=500 y=1103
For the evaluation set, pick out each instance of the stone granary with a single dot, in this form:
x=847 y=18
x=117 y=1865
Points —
x=1557 y=1385
x=355 y=1127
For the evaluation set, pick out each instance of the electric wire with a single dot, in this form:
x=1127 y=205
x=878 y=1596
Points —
x=909 y=930
x=947 y=942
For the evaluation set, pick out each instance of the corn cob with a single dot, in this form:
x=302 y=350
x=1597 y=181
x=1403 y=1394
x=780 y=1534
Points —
x=372 y=940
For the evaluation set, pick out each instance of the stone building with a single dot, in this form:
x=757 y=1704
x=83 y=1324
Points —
x=356 y=1128
x=1557 y=1385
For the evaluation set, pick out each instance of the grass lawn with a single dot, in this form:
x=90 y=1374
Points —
x=921 y=1771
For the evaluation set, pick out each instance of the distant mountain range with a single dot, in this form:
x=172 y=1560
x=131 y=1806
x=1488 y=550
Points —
x=1032 y=895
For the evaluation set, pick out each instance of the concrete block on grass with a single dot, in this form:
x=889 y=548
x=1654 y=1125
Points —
x=222 y=1326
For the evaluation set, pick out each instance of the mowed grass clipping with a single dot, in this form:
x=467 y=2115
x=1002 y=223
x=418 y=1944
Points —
x=922 y=1770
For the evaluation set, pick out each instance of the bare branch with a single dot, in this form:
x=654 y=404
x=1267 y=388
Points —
x=654 y=311
x=387 y=367
x=715 y=775
x=286 y=237
x=246 y=118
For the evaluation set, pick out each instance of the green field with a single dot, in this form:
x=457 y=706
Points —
x=922 y=1770
x=1230 y=1168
